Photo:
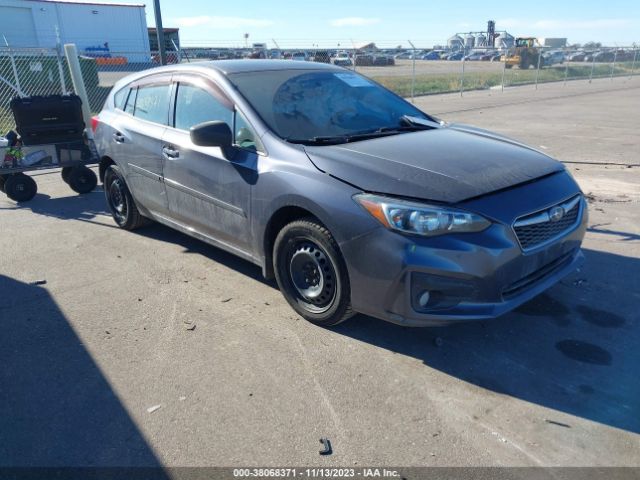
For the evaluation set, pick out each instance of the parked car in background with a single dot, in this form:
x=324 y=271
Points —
x=403 y=56
x=473 y=56
x=575 y=56
x=604 y=56
x=433 y=55
x=487 y=56
x=383 y=60
x=351 y=197
x=275 y=54
x=322 y=56
x=364 y=59
x=342 y=59
x=554 y=57
x=299 y=56
x=455 y=56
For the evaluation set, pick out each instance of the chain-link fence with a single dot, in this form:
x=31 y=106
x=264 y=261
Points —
x=408 y=72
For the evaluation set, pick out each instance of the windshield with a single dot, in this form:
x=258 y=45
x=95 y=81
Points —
x=305 y=105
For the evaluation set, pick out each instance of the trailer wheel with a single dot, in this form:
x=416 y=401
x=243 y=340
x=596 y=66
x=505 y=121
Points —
x=82 y=179
x=3 y=179
x=20 y=187
x=65 y=174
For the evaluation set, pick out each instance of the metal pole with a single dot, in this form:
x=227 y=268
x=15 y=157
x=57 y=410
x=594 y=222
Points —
x=160 y=32
x=633 y=65
x=63 y=84
x=78 y=84
x=566 y=72
x=462 y=78
x=593 y=65
x=504 y=70
x=613 y=65
x=538 y=69
x=413 y=76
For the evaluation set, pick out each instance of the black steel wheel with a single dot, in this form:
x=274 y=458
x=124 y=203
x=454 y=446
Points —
x=82 y=179
x=65 y=173
x=311 y=273
x=121 y=204
x=20 y=187
x=3 y=179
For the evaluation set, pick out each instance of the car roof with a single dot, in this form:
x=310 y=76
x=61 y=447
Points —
x=227 y=67
x=254 y=65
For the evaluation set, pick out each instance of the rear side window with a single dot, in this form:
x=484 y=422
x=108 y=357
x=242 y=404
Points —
x=194 y=105
x=152 y=104
x=120 y=98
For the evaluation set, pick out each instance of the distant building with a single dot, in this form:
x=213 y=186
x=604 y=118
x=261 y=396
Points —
x=553 y=42
x=99 y=28
x=171 y=37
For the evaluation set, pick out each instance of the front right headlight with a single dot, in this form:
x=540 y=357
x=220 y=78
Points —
x=419 y=218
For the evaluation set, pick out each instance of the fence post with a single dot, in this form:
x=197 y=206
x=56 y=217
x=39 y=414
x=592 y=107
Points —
x=78 y=84
x=633 y=65
x=462 y=78
x=63 y=84
x=613 y=65
x=504 y=70
x=538 y=68
x=593 y=65
x=566 y=72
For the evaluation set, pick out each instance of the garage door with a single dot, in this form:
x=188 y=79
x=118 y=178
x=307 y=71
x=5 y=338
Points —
x=18 y=27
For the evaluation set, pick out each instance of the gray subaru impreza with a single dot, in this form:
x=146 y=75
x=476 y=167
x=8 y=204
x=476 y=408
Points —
x=351 y=197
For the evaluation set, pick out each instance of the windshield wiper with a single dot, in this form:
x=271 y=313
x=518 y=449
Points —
x=408 y=123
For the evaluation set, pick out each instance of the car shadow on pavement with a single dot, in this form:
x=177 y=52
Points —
x=56 y=407
x=573 y=349
x=191 y=245
x=83 y=208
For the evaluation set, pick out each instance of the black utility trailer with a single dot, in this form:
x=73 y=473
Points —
x=51 y=135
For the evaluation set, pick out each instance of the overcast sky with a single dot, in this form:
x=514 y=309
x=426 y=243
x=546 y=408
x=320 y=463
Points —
x=389 y=23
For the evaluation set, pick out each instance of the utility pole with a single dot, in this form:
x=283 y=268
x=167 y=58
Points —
x=160 y=32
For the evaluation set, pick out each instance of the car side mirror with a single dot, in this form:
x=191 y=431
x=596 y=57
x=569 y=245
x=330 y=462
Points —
x=213 y=134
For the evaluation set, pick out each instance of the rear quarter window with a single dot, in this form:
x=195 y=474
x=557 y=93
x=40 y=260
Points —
x=120 y=98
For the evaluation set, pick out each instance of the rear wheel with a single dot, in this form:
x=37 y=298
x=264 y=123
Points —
x=20 y=187
x=65 y=174
x=311 y=273
x=82 y=179
x=3 y=179
x=121 y=204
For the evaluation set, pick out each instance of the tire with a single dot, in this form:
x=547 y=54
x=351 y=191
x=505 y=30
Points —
x=82 y=179
x=20 y=187
x=65 y=174
x=121 y=204
x=3 y=179
x=311 y=273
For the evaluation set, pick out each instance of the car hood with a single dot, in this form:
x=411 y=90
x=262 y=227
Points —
x=448 y=164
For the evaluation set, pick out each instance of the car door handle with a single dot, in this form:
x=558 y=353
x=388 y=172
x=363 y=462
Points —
x=118 y=137
x=170 y=152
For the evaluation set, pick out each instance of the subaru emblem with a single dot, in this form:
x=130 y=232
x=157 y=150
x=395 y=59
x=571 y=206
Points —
x=556 y=214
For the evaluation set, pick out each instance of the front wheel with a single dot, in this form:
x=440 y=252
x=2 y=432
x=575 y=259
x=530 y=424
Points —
x=121 y=204
x=20 y=187
x=311 y=273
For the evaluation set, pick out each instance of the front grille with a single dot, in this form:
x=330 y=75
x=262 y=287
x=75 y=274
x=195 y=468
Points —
x=538 y=228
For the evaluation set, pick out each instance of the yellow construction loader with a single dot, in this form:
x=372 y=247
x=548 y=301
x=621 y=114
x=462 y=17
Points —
x=524 y=54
